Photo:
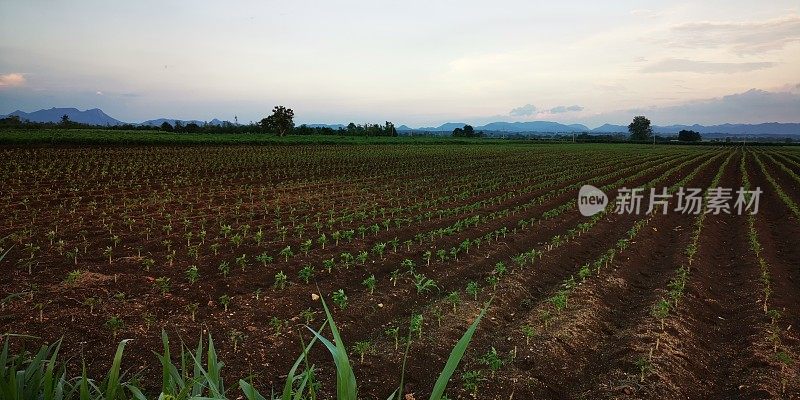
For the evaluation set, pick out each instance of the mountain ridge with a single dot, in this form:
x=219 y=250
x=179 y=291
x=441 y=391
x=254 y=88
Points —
x=96 y=116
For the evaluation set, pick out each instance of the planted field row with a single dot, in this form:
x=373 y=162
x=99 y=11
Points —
x=407 y=245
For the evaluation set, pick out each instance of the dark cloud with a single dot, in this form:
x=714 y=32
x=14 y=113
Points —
x=750 y=107
x=524 y=111
x=704 y=67
x=565 y=109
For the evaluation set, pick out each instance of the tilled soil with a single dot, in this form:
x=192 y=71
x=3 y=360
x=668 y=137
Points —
x=714 y=345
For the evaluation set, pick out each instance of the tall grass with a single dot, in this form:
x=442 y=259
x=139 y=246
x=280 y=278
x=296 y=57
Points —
x=40 y=376
x=195 y=375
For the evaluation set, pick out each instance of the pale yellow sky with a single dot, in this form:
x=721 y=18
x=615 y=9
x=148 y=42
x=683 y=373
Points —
x=417 y=63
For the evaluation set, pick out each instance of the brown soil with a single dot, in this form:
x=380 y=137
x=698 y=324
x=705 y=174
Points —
x=713 y=345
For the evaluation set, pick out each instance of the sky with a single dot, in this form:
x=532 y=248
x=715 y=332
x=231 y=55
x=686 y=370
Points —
x=419 y=63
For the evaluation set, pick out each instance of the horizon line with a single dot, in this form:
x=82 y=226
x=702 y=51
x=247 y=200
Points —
x=567 y=124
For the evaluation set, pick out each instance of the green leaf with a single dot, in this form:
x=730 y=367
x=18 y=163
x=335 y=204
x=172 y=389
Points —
x=455 y=357
x=287 y=388
x=346 y=387
x=113 y=375
x=249 y=391
x=49 y=389
x=398 y=393
x=166 y=362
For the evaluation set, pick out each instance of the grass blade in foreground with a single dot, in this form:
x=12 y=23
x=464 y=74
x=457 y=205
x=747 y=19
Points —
x=455 y=357
x=346 y=387
x=399 y=392
x=287 y=388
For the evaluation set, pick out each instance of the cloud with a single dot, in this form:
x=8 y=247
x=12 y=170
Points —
x=645 y=13
x=565 y=109
x=788 y=88
x=750 y=107
x=99 y=93
x=528 y=110
x=524 y=111
x=704 y=67
x=741 y=37
x=12 y=79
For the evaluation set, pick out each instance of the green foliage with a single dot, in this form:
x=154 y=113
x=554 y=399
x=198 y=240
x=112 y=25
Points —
x=471 y=381
x=280 y=280
x=454 y=299
x=192 y=274
x=340 y=299
x=306 y=273
x=424 y=284
x=162 y=284
x=415 y=326
x=473 y=289
x=689 y=136
x=640 y=129
x=194 y=377
x=225 y=300
x=281 y=122
x=370 y=283
x=493 y=360
x=529 y=332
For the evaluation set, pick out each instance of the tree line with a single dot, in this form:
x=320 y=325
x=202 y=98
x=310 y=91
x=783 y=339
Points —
x=281 y=123
x=466 y=132
x=640 y=130
x=13 y=121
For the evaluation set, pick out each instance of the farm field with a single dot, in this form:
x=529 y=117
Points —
x=107 y=243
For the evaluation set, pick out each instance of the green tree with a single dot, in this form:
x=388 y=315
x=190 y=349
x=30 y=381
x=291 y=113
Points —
x=352 y=129
x=689 y=136
x=65 y=119
x=390 y=129
x=167 y=127
x=469 y=131
x=281 y=121
x=640 y=129
x=191 y=127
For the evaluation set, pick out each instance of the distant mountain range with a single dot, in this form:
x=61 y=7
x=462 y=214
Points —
x=96 y=116
x=771 y=128
x=517 y=127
